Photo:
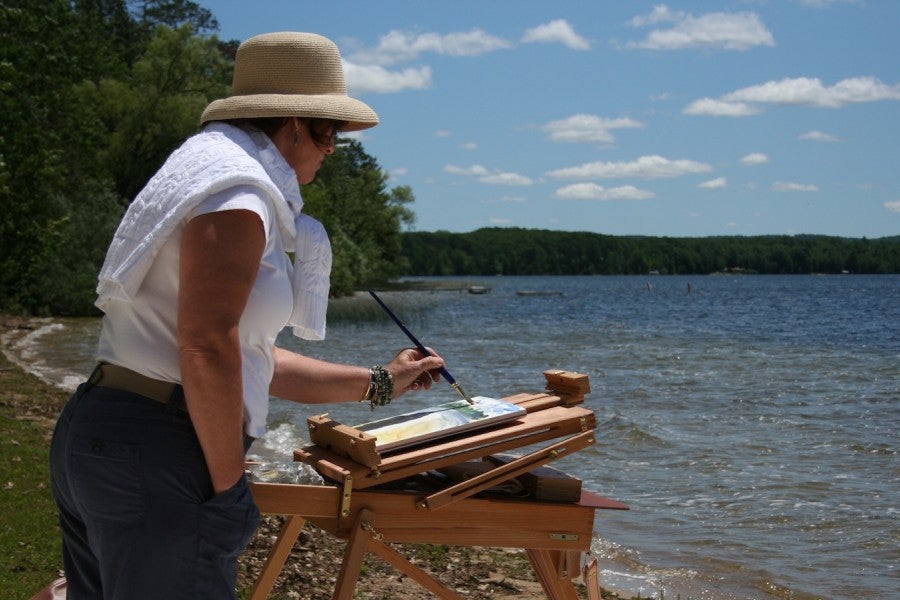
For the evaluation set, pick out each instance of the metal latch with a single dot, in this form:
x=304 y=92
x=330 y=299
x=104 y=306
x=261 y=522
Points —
x=565 y=537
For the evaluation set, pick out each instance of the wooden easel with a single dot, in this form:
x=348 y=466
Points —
x=369 y=514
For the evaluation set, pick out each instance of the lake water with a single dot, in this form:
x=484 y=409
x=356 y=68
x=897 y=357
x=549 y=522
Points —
x=752 y=423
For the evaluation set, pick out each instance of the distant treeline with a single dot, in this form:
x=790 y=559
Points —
x=512 y=251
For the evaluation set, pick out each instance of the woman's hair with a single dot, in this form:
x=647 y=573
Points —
x=319 y=129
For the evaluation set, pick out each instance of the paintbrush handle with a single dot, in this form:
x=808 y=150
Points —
x=446 y=374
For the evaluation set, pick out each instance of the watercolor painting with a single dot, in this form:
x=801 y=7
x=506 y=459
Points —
x=443 y=420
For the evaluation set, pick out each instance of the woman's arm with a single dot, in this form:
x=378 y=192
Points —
x=220 y=255
x=311 y=381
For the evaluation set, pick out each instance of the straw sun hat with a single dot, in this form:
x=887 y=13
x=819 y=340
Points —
x=290 y=75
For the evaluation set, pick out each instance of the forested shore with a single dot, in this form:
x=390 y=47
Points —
x=512 y=251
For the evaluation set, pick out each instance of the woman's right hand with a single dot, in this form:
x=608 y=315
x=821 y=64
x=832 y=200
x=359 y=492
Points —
x=413 y=370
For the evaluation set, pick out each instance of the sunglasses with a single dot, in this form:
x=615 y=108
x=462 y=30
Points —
x=325 y=132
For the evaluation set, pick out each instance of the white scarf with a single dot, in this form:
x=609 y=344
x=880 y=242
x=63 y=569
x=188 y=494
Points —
x=218 y=158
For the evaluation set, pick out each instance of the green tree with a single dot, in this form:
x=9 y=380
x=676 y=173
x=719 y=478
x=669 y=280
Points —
x=150 y=112
x=95 y=97
x=92 y=103
x=513 y=251
x=176 y=13
x=363 y=219
x=67 y=279
x=42 y=141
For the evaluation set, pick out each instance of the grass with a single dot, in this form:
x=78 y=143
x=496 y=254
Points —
x=30 y=544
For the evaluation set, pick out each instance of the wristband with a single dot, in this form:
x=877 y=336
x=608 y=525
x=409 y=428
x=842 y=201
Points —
x=381 y=387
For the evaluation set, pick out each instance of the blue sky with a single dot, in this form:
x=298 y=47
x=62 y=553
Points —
x=743 y=117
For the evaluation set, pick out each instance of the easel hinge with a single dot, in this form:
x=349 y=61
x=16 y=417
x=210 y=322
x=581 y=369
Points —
x=346 y=494
x=376 y=535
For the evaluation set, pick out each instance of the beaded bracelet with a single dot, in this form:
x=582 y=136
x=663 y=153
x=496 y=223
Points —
x=381 y=387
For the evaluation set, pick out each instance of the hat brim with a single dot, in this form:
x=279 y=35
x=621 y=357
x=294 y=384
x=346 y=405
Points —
x=355 y=113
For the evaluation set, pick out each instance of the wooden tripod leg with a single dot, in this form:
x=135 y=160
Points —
x=402 y=564
x=277 y=557
x=354 y=553
x=546 y=566
x=592 y=578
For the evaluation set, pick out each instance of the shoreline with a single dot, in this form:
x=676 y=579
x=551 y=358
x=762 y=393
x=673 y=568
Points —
x=479 y=573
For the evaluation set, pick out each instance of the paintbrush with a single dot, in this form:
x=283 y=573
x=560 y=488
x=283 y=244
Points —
x=444 y=372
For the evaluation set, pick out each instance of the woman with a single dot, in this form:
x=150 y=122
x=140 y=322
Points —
x=148 y=456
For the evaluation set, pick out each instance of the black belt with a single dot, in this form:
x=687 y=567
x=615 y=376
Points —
x=126 y=380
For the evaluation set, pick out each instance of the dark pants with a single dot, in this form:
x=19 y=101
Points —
x=137 y=511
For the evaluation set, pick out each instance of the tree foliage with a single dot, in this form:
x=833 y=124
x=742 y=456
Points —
x=94 y=99
x=362 y=217
x=42 y=142
x=511 y=251
x=96 y=95
x=149 y=113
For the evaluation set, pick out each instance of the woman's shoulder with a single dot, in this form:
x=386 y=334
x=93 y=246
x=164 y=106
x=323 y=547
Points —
x=239 y=197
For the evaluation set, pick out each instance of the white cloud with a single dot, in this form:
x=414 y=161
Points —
x=824 y=3
x=402 y=46
x=720 y=108
x=893 y=206
x=505 y=179
x=556 y=31
x=786 y=186
x=808 y=91
x=818 y=136
x=359 y=136
x=645 y=167
x=372 y=78
x=483 y=175
x=443 y=133
x=469 y=146
x=798 y=91
x=587 y=128
x=473 y=171
x=718 y=183
x=592 y=191
x=728 y=31
x=660 y=14
x=755 y=158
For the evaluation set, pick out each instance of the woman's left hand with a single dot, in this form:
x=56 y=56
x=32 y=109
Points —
x=413 y=370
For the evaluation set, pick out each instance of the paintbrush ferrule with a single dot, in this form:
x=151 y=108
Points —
x=465 y=396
